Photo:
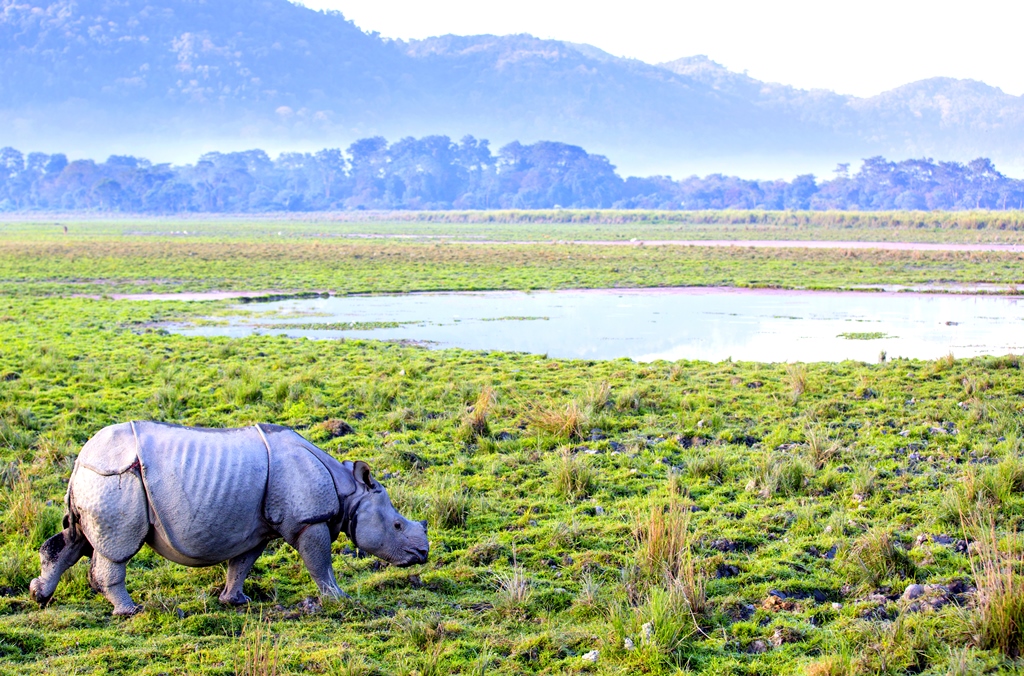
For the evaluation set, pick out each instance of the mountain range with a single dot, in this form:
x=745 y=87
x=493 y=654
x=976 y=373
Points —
x=172 y=78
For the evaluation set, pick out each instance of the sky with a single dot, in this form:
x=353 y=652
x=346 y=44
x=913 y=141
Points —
x=860 y=48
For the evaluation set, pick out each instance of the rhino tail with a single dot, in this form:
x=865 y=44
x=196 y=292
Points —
x=72 y=517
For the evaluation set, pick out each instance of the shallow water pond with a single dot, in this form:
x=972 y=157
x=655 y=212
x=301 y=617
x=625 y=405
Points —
x=648 y=324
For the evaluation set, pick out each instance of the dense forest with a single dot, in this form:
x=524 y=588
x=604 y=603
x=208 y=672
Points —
x=436 y=173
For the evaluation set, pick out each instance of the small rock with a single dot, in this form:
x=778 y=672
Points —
x=726 y=570
x=942 y=539
x=776 y=593
x=831 y=554
x=958 y=587
x=180 y=613
x=591 y=656
x=598 y=510
x=597 y=435
x=628 y=643
x=503 y=436
x=647 y=629
x=757 y=647
x=837 y=606
x=913 y=591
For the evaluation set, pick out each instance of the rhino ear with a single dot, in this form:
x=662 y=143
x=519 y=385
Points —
x=361 y=473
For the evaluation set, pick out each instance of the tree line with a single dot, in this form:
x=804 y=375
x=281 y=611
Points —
x=435 y=173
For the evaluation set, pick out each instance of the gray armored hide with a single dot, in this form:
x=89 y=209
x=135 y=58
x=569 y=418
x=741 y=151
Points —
x=203 y=496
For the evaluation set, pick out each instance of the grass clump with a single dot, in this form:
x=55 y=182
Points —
x=712 y=466
x=796 y=380
x=774 y=476
x=666 y=559
x=568 y=422
x=513 y=588
x=448 y=503
x=875 y=557
x=575 y=479
x=475 y=421
x=259 y=653
x=999 y=576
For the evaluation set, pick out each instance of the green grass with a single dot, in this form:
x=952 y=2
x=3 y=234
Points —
x=728 y=518
x=110 y=264
x=864 y=335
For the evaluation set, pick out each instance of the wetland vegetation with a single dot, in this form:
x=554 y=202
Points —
x=674 y=517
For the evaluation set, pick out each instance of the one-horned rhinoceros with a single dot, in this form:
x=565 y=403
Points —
x=203 y=496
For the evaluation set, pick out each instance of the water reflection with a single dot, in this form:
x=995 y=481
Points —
x=647 y=324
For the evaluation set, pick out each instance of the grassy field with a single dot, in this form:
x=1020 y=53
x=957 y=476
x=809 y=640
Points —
x=972 y=227
x=39 y=259
x=687 y=517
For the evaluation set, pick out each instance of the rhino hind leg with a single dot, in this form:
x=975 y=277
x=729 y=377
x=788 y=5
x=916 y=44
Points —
x=107 y=577
x=56 y=555
x=314 y=545
x=238 y=570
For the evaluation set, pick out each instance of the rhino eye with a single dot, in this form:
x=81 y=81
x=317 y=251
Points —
x=398 y=525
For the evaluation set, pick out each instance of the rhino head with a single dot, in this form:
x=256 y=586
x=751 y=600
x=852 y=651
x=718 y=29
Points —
x=379 y=529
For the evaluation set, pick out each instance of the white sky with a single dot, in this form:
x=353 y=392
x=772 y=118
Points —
x=858 y=47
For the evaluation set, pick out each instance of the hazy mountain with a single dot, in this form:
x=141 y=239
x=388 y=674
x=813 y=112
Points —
x=168 y=78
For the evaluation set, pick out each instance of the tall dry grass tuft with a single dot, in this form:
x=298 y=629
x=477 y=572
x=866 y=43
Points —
x=260 y=655
x=821 y=448
x=796 y=380
x=513 y=587
x=568 y=422
x=476 y=418
x=999 y=620
x=598 y=396
x=665 y=553
x=22 y=507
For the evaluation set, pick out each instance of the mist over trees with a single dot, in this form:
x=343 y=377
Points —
x=435 y=172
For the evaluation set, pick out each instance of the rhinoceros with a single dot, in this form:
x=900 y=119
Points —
x=202 y=496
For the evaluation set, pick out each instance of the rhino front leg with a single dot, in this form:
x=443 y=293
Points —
x=238 y=570
x=314 y=545
x=107 y=577
x=56 y=555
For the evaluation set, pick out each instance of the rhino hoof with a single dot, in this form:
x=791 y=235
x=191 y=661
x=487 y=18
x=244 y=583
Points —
x=238 y=599
x=128 y=611
x=33 y=593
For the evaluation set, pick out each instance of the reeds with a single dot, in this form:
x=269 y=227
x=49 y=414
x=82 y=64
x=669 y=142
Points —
x=999 y=619
x=260 y=655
